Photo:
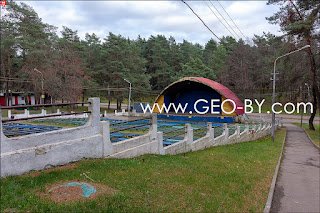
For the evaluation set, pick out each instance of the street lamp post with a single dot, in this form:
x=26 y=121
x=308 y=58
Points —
x=274 y=88
x=42 y=99
x=308 y=91
x=303 y=99
x=129 y=93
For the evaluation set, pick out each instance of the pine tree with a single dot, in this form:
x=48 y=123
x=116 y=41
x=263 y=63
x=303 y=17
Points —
x=196 y=68
x=218 y=62
x=190 y=50
x=25 y=39
x=208 y=51
x=122 y=59
x=158 y=62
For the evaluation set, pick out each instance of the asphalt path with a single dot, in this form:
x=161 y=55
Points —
x=297 y=188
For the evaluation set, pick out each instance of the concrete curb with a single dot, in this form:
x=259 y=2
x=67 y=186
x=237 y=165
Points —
x=311 y=139
x=274 y=179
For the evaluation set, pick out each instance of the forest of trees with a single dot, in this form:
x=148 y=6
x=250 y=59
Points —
x=73 y=67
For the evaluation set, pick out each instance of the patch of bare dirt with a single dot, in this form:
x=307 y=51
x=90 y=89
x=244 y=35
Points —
x=60 y=194
x=13 y=210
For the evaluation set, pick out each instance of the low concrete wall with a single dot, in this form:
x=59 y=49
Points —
x=38 y=151
x=92 y=127
x=206 y=141
x=46 y=156
x=224 y=139
x=183 y=146
x=144 y=144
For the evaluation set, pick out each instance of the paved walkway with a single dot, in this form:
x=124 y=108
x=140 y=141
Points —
x=297 y=188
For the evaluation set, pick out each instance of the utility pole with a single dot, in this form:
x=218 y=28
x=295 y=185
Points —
x=129 y=94
x=303 y=98
x=42 y=95
x=308 y=86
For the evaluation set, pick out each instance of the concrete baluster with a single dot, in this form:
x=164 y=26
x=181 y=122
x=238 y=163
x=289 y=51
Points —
x=238 y=130
x=246 y=127
x=226 y=132
x=189 y=135
x=160 y=143
x=106 y=142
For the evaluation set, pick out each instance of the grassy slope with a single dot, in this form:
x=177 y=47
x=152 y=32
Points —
x=226 y=178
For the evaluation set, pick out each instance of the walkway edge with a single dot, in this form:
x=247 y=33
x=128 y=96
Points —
x=274 y=179
x=310 y=138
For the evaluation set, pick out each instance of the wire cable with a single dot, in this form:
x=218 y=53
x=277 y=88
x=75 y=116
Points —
x=201 y=21
x=222 y=41
x=231 y=19
x=218 y=18
x=224 y=18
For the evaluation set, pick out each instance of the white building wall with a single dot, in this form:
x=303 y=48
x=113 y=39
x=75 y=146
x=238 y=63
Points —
x=21 y=100
x=33 y=100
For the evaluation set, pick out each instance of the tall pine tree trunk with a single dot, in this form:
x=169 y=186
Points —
x=315 y=89
x=314 y=110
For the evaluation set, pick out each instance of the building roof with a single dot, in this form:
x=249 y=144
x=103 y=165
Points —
x=227 y=93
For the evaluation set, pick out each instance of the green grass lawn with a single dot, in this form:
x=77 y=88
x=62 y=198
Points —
x=314 y=134
x=233 y=178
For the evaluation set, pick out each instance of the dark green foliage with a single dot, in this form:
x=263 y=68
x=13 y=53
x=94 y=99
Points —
x=121 y=59
x=175 y=56
x=24 y=40
x=190 y=50
x=196 y=68
x=208 y=51
x=157 y=55
x=218 y=61
x=290 y=21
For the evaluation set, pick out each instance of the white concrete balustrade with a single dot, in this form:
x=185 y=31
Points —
x=27 y=114
x=43 y=150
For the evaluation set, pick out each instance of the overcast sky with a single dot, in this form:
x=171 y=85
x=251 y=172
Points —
x=131 y=18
